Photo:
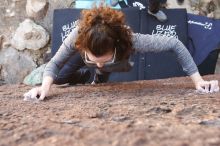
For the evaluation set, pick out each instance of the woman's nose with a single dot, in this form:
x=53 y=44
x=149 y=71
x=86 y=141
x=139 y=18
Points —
x=100 y=65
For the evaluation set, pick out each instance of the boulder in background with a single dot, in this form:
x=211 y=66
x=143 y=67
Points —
x=37 y=9
x=35 y=77
x=15 y=65
x=30 y=35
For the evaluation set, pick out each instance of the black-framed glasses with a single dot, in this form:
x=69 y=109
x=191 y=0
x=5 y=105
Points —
x=105 y=63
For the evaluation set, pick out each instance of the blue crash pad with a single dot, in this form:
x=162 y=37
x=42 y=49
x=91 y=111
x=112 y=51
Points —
x=204 y=36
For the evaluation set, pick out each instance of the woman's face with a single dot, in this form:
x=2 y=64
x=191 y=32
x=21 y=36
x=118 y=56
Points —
x=102 y=60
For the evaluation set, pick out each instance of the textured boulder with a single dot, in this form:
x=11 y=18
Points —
x=15 y=65
x=217 y=10
x=30 y=35
x=37 y=9
x=35 y=77
x=210 y=8
x=1 y=41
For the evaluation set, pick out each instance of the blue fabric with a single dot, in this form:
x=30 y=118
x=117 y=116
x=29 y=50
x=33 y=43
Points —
x=204 y=36
x=163 y=64
x=64 y=20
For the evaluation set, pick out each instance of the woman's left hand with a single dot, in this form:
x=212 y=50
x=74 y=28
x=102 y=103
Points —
x=207 y=86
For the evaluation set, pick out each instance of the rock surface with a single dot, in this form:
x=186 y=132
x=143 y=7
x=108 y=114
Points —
x=15 y=65
x=155 y=113
x=37 y=9
x=210 y=8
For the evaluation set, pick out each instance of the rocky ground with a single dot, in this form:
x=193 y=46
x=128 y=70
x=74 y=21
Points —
x=156 y=113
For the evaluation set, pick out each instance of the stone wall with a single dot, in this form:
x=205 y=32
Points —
x=209 y=8
x=25 y=30
x=26 y=25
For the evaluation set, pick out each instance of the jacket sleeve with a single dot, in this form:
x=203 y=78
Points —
x=157 y=43
x=65 y=51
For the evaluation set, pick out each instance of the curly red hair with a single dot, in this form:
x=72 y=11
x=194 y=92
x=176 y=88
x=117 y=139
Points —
x=103 y=29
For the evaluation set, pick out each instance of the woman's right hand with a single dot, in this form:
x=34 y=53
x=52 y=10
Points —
x=37 y=93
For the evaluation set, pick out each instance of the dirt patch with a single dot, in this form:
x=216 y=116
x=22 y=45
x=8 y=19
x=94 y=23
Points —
x=158 y=112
